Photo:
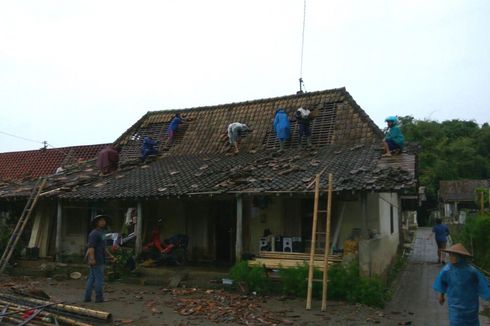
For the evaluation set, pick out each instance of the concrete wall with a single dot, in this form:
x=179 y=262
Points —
x=274 y=216
x=352 y=217
x=377 y=254
x=75 y=228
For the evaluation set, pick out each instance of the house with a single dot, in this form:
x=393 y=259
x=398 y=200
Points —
x=17 y=168
x=225 y=202
x=457 y=194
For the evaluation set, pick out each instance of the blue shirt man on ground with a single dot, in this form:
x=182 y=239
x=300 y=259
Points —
x=441 y=232
x=96 y=259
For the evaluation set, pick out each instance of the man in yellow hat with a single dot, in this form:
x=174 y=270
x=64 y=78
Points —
x=462 y=284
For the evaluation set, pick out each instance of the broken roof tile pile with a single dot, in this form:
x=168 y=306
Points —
x=346 y=143
x=461 y=190
x=36 y=163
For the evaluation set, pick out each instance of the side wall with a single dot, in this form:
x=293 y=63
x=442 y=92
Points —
x=377 y=254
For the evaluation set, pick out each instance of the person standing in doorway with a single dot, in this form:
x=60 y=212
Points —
x=96 y=253
x=441 y=232
x=462 y=284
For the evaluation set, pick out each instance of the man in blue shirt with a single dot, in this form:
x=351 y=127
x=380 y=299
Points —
x=462 y=284
x=173 y=127
x=441 y=232
x=96 y=259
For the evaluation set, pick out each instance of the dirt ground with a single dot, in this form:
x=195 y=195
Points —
x=153 y=305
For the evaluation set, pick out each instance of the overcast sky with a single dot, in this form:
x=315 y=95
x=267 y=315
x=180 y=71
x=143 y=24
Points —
x=82 y=72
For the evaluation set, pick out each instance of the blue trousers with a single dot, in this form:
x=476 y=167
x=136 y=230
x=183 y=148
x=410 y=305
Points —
x=95 y=277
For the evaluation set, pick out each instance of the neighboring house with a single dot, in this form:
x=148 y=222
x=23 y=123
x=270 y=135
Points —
x=28 y=165
x=16 y=166
x=225 y=202
x=457 y=194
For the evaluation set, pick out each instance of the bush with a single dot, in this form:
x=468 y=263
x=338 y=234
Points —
x=294 y=281
x=475 y=235
x=254 y=278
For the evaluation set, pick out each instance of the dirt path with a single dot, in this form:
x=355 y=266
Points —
x=413 y=299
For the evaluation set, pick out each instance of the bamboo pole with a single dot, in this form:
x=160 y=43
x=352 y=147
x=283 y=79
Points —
x=97 y=314
x=327 y=243
x=63 y=319
x=311 y=267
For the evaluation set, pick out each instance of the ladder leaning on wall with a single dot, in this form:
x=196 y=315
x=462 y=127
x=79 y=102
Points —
x=21 y=224
x=314 y=235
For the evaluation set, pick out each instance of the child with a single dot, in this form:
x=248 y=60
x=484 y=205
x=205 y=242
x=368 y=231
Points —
x=463 y=284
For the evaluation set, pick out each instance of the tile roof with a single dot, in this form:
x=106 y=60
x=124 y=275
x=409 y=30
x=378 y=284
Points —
x=36 y=163
x=346 y=143
x=460 y=190
x=339 y=120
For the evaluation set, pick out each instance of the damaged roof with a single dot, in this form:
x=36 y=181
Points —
x=36 y=163
x=346 y=143
x=460 y=190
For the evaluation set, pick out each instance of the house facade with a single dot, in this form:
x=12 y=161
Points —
x=225 y=203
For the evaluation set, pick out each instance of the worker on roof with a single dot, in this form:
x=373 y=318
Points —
x=394 y=139
x=108 y=159
x=304 y=117
x=148 y=148
x=235 y=133
x=282 y=127
x=462 y=284
x=173 y=127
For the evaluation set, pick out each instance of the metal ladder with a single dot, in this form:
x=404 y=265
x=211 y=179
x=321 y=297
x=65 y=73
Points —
x=21 y=224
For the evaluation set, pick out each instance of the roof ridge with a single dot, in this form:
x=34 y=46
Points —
x=256 y=101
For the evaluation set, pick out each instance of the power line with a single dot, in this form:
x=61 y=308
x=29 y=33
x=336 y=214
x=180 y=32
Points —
x=23 y=138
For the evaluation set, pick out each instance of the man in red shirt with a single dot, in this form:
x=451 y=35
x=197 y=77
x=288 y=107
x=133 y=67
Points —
x=108 y=160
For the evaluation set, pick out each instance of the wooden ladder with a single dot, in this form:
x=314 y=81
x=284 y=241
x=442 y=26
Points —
x=21 y=224
x=314 y=235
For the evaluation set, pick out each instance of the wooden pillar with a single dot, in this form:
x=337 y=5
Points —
x=139 y=229
x=239 y=228
x=364 y=214
x=59 y=218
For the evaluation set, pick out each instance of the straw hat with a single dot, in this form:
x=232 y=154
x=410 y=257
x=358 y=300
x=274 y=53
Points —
x=459 y=249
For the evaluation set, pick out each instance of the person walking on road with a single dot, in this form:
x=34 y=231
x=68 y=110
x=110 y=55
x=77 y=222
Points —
x=96 y=253
x=441 y=232
x=462 y=284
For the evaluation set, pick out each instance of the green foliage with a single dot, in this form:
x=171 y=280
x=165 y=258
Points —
x=294 y=281
x=347 y=284
x=478 y=192
x=475 y=235
x=450 y=150
x=254 y=278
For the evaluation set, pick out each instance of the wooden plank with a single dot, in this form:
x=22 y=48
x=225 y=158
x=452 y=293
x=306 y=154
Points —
x=295 y=255
x=285 y=263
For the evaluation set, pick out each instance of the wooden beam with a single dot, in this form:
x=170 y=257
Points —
x=286 y=263
x=139 y=229
x=327 y=243
x=313 y=243
x=239 y=228
x=59 y=219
